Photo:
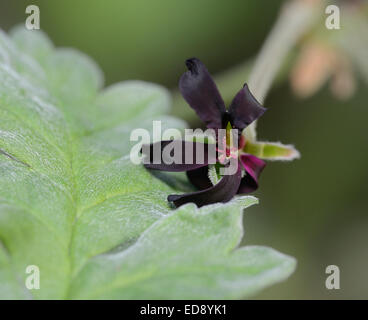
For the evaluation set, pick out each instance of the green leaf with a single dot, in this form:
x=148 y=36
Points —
x=74 y=205
x=188 y=254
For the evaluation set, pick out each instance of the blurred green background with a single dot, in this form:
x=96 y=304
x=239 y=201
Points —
x=314 y=208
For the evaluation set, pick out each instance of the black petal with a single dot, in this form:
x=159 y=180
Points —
x=221 y=192
x=190 y=155
x=245 y=109
x=199 y=178
x=200 y=91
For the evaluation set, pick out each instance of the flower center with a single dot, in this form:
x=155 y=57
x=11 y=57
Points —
x=226 y=147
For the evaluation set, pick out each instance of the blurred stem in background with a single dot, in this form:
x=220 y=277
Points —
x=354 y=42
x=295 y=19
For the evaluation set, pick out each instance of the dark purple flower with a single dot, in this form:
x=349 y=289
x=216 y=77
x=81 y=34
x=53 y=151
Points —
x=201 y=93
